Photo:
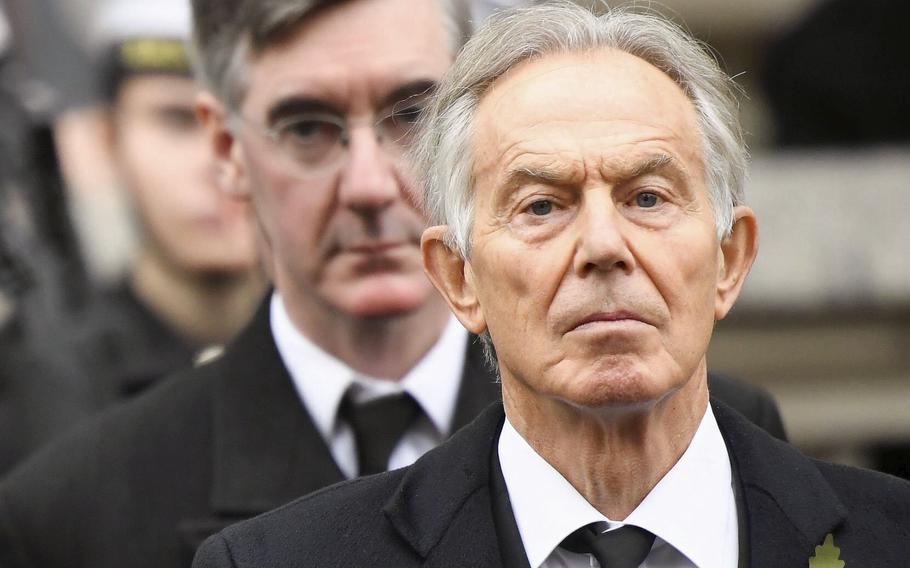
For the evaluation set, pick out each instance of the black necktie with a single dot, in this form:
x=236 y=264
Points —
x=625 y=547
x=378 y=425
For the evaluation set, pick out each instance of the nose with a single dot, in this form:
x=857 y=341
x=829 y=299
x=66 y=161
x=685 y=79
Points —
x=368 y=182
x=602 y=242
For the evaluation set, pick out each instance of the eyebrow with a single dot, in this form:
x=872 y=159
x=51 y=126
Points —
x=655 y=164
x=297 y=105
x=531 y=174
x=549 y=176
x=409 y=90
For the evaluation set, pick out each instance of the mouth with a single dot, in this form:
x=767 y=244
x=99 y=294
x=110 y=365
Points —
x=613 y=319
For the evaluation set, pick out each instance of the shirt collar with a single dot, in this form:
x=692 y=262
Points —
x=690 y=508
x=536 y=491
x=693 y=507
x=433 y=382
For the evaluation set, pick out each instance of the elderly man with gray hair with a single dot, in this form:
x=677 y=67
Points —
x=585 y=176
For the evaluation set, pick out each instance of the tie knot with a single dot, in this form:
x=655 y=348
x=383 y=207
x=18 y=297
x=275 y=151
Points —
x=378 y=425
x=625 y=547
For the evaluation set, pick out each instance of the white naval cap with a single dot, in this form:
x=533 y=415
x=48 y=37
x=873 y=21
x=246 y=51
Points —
x=117 y=21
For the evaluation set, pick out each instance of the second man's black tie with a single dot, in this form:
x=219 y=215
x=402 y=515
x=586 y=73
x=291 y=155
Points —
x=625 y=547
x=378 y=425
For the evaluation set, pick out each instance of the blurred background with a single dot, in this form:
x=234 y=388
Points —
x=824 y=321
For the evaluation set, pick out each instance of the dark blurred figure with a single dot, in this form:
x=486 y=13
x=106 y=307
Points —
x=194 y=278
x=839 y=77
x=67 y=352
x=43 y=71
x=41 y=390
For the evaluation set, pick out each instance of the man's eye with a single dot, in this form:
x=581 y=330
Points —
x=409 y=114
x=410 y=109
x=308 y=131
x=542 y=207
x=178 y=118
x=646 y=200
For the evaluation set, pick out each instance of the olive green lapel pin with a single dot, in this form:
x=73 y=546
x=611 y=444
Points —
x=826 y=555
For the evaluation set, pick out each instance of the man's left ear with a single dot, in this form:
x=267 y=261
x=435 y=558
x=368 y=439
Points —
x=452 y=276
x=226 y=149
x=737 y=251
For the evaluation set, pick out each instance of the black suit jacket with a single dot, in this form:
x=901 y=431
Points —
x=438 y=512
x=59 y=369
x=144 y=484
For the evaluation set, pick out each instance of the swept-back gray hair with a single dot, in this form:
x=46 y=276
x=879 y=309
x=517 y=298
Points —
x=227 y=34
x=443 y=153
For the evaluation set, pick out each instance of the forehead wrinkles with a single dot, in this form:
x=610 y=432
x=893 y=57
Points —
x=573 y=160
x=287 y=75
x=592 y=91
x=611 y=158
x=348 y=46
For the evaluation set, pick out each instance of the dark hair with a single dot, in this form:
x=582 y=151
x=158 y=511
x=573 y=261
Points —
x=227 y=32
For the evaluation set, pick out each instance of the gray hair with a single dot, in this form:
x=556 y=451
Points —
x=443 y=152
x=228 y=34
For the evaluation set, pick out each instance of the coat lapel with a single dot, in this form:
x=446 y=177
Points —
x=451 y=524
x=789 y=506
x=267 y=451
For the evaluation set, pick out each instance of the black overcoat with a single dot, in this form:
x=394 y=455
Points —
x=438 y=513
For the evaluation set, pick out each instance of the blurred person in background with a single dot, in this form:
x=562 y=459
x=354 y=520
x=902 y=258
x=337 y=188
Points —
x=195 y=278
x=43 y=390
x=353 y=364
x=13 y=272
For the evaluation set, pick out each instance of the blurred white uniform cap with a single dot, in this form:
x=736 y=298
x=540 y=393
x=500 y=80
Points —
x=120 y=20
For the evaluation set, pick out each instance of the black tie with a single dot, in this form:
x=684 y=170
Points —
x=378 y=425
x=625 y=547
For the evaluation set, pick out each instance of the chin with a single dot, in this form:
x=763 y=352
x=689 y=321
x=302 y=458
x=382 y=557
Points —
x=223 y=266
x=207 y=257
x=385 y=297
x=618 y=386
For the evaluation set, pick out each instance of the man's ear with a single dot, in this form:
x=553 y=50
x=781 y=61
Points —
x=231 y=174
x=452 y=276
x=737 y=251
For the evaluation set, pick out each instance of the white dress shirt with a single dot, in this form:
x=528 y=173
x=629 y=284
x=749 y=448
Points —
x=321 y=381
x=691 y=510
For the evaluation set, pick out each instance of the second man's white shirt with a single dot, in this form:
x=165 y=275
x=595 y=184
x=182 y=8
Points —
x=321 y=382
